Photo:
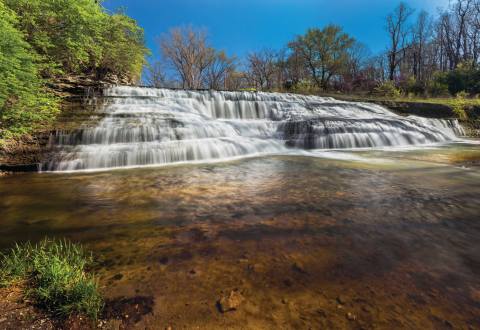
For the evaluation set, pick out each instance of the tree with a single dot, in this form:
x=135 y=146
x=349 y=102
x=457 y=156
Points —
x=43 y=40
x=354 y=75
x=79 y=37
x=187 y=51
x=155 y=75
x=262 y=68
x=397 y=30
x=421 y=36
x=216 y=75
x=325 y=52
x=123 y=49
x=24 y=102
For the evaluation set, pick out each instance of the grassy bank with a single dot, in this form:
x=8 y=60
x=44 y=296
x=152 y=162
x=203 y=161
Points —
x=53 y=275
x=461 y=107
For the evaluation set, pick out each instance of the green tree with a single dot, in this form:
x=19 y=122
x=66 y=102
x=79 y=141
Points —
x=42 y=40
x=24 y=104
x=80 y=37
x=123 y=48
x=325 y=52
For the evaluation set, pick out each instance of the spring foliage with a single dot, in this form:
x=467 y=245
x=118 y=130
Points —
x=24 y=105
x=41 y=40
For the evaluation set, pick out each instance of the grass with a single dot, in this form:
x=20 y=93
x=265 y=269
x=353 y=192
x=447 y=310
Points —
x=54 y=276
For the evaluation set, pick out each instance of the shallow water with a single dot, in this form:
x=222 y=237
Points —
x=345 y=239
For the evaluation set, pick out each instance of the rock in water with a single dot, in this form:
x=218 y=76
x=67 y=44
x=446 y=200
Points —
x=230 y=302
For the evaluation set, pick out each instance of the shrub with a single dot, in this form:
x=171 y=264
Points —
x=387 y=89
x=54 y=275
x=413 y=86
x=305 y=87
x=459 y=105
x=438 y=86
x=465 y=78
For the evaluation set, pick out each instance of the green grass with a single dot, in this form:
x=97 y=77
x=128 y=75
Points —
x=54 y=276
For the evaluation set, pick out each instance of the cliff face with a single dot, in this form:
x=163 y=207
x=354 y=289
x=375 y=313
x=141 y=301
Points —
x=77 y=93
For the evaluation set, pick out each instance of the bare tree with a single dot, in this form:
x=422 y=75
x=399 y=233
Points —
x=262 y=68
x=421 y=36
x=397 y=30
x=475 y=32
x=187 y=51
x=217 y=72
x=155 y=75
x=458 y=34
x=236 y=80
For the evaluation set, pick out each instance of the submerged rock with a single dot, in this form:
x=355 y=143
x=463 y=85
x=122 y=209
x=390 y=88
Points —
x=231 y=301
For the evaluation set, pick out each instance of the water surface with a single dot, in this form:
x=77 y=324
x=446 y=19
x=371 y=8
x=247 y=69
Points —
x=381 y=239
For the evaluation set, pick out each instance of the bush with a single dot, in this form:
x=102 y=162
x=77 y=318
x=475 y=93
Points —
x=54 y=276
x=305 y=87
x=459 y=105
x=465 y=78
x=415 y=87
x=438 y=86
x=387 y=89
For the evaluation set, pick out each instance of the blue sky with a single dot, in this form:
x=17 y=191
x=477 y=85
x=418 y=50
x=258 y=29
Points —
x=241 y=26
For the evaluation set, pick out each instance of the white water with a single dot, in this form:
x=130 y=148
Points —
x=143 y=126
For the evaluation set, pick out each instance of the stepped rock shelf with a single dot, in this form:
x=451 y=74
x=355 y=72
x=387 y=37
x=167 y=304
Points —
x=145 y=127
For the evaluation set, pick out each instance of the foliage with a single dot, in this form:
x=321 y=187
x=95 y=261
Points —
x=305 y=87
x=459 y=105
x=388 y=89
x=79 y=37
x=465 y=78
x=55 y=277
x=123 y=50
x=414 y=86
x=438 y=86
x=325 y=52
x=24 y=103
x=41 y=40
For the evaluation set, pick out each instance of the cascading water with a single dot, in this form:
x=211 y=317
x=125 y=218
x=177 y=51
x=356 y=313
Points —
x=143 y=126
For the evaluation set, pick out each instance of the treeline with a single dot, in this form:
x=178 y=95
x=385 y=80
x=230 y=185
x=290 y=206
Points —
x=44 y=40
x=426 y=56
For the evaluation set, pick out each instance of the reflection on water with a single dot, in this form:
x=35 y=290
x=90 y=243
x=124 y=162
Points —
x=385 y=240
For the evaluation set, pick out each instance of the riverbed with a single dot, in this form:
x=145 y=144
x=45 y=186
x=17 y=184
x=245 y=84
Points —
x=337 y=239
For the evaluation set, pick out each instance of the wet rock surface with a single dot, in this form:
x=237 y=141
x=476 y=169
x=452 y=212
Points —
x=230 y=302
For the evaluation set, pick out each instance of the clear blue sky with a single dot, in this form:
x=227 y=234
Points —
x=241 y=26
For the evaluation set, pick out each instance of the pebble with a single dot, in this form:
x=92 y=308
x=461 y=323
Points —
x=341 y=300
x=231 y=302
x=351 y=317
x=298 y=267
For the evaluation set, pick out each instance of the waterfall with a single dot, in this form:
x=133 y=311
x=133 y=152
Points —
x=146 y=126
